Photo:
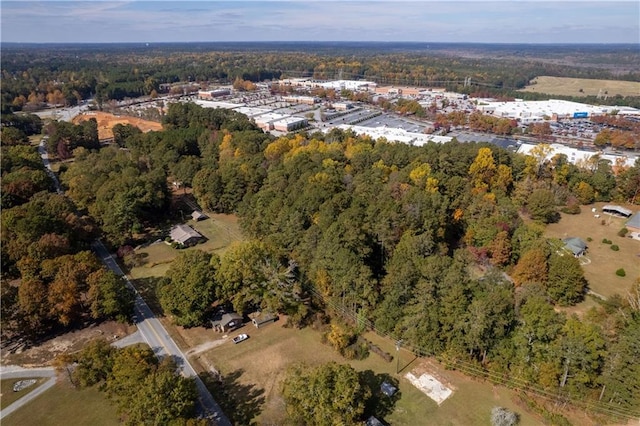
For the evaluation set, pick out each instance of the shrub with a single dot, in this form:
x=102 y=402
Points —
x=614 y=247
x=502 y=417
x=589 y=239
x=605 y=241
x=623 y=232
x=571 y=209
x=621 y=273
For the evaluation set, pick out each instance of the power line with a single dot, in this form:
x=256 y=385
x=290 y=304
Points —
x=513 y=382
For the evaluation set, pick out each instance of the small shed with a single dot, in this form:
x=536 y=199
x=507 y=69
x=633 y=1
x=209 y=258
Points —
x=388 y=389
x=373 y=421
x=197 y=215
x=263 y=318
x=225 y=322
x=185 y=235
x=617 y=210
x=576 y=245
x=633 y=224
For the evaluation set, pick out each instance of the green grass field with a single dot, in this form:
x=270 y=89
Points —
x=221 y=231
x=9 y=396
x=256 y=368
x=571 y=86
x=64 y=405
x=600 y=272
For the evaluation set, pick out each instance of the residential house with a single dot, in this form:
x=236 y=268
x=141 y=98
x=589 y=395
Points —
x=185 y=235
x=225 y=322
x=576 y=245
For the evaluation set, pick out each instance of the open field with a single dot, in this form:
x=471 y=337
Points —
x=600 y=272
x=64 y=405
x=106 y=122
x=8 y=396
x=221 y=230
x=254 y=370
x=571 y=86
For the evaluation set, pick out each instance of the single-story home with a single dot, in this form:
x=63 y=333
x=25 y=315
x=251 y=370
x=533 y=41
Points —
x=576 y=245
x=185 y=235
x=197 y=215
x=633 y=224
x=224 y=322
x=617 y=210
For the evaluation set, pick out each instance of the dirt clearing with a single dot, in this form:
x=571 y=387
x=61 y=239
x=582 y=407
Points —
x=106 y=122
x=582 y=87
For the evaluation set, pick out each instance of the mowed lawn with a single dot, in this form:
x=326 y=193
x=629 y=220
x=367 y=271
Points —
x=220 y=230
x=9 y=396
x=64 y=405
x=256 y=368
x=568 y=86
x=600 y=272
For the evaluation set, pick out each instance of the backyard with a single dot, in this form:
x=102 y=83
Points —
x=601 y=261
x=253 y=372
x=220 y=230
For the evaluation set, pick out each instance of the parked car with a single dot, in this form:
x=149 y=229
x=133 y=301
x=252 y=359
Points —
x=240 y=338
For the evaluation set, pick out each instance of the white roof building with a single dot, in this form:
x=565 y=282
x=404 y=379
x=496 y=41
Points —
x=265 y=121
x=393 y=134
x=349 y=85
x=529 y=111
x=577 y=156
x=289 y=123
x=216 y=104
x=252 y=111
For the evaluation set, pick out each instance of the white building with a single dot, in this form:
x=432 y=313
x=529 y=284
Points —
x=533 y=111
x=289 y=123
x=580 y=157
x=252 y=111
x=393 y=134
x=311 y=83
x=216 y=104
x=265 y=121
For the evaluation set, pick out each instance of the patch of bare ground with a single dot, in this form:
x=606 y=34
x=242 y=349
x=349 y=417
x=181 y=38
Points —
x=43 y=353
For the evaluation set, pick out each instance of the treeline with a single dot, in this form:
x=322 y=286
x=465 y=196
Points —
x=32 y=76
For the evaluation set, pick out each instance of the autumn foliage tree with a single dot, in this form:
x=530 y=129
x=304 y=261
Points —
x=532 y=267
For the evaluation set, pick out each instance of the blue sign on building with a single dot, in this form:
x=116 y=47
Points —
x=580 y=114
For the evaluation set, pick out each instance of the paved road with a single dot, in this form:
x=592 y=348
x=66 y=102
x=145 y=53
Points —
x=42 y=150
x=156 y=336
x=149 y=327
x=14 y=372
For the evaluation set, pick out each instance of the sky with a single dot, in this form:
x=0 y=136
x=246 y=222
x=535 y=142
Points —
x=506 y=21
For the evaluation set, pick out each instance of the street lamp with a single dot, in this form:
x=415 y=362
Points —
x=398 y=343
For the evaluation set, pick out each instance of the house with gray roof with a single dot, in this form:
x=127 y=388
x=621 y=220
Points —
x=576 y=245
x=185 y=235
x=226 y=321
x=633 y=224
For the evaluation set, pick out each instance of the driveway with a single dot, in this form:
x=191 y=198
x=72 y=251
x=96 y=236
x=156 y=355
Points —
x=14 y=372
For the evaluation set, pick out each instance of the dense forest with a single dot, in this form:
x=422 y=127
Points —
x=66 y=74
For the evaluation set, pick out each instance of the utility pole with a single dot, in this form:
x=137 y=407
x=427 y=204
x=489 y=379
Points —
x=398 y=343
